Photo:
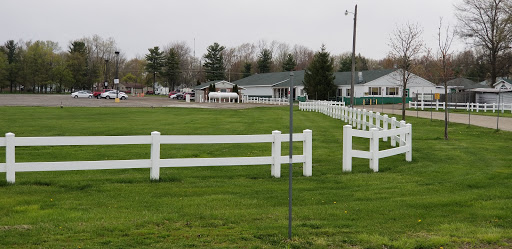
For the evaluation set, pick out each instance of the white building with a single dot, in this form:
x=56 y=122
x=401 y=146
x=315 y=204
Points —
x=383 y=84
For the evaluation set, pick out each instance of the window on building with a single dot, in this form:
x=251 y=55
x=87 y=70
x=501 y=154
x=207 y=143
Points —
x=374 y=91
x=347 y=92
x=223 y=90
x=392 y=91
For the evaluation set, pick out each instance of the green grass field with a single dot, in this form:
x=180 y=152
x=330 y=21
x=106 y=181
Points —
x=454 y=194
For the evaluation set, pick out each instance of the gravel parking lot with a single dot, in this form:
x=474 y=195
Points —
x=147 y=101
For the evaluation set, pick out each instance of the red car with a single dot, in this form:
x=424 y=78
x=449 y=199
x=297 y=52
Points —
x=98 y=94
x=172 y=93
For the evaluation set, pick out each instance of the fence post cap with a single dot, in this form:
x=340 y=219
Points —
x=276 y=131
x=347 y=126
x=9 y=134
x=155 y=133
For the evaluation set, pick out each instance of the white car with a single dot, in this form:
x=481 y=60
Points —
x=81 y=94
x=113 y=95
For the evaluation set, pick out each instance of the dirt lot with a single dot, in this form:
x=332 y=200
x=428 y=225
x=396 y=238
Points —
x=147 y=101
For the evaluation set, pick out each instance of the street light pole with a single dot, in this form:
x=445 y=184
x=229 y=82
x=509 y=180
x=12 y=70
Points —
x=106 y=75
x=116 y=80
x=352 y=83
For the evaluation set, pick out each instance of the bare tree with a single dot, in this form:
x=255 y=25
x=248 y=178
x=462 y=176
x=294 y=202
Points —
x=406 y=44
x=486 y=23
x=445 y=73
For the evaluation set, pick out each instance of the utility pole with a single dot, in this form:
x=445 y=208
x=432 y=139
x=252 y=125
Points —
x=352 y=83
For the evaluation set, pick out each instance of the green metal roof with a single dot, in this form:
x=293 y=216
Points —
x=280 y=79
x=466 y=83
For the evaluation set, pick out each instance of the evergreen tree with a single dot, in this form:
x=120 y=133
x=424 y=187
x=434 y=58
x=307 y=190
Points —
x=264 y=61
x=247 y=70
x=289 y=64
x=77 y=64
x=235 y=88
x=319 y=76
x=214 y=62
x=155 y=60
x=346 y=63
x=171 y=70
x=12 y=51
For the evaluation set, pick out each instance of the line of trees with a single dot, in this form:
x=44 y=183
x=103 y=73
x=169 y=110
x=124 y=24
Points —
x=41 y=66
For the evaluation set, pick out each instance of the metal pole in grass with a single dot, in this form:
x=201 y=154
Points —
x=290 y=167
x=498 y=119
x=431 y=101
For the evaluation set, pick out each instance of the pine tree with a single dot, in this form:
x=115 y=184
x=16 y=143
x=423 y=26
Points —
x=214 y=62
x=155 y=60
x=171 y=70
x=319 y=76
x=235 y=88
x=247 y=70
x=265 y=61
x=289 y=64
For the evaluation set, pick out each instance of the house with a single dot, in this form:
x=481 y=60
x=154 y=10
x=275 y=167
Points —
x=502 y=88
x=134 y=88
x=461 y=85
x=201 y=91
x=383 y=84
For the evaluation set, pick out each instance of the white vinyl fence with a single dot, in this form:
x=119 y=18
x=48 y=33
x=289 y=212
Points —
x=155 y=162
x=494 y=107
x=269 y=101
x=369 y=125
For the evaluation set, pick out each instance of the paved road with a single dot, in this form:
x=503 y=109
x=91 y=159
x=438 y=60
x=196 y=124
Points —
x=148 y=101
x=478 y=120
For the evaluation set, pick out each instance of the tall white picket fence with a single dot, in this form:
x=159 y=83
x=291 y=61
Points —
x=155 y=162
x=269 y=101
x=368 y=125
x=494 y=107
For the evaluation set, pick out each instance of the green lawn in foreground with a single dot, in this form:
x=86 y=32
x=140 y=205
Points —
x=453 y=194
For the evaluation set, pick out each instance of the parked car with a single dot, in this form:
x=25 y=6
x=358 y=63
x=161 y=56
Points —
x=150 y=92
x=172 y=93
x=178 y=96
x=113 y=94
x=192 y=96
x=82 y=94
x=98 y=94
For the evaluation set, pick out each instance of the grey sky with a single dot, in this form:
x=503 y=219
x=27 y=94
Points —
x=139 y=25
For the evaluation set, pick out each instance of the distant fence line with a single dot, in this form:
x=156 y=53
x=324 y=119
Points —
x=494 y=107
x=155 y=162
x=379 y=126
x=261 y=100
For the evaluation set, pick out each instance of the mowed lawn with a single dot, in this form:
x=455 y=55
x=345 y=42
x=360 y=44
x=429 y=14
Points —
x=454 y=194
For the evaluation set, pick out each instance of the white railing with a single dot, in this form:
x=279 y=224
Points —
x=155 y=162
x=494 y=107
x=384 y=127
x=404 y=134
x=269 y=101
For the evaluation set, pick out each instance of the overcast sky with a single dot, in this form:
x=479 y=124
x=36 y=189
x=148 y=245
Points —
x=138 y=25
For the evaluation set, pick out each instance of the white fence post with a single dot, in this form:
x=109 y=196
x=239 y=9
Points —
x=408 y=138
x=370 y=120
x=393 y=126
x=365 y=114
x=402 y=136
x=155 y=156
x=347 y=148
x=307 y=151
x=385 y=119
x=10 y=157
x=374 y=150
x=275 y=170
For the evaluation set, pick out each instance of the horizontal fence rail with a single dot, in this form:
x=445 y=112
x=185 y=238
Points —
x=494 y=107
x=367 y=124
x=269 y=101
x=10 y=142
